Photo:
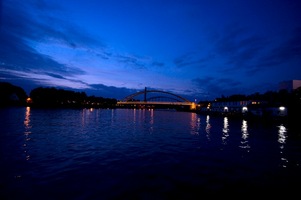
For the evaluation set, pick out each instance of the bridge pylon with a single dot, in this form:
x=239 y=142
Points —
x=145 y=94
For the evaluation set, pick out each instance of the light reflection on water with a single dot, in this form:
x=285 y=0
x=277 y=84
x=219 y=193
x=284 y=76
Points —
x=112 y=152
x=245 y=135
x=151 y=121
x=208 y=127
x=195 y=124
x=282 y=137
x=225 y=130
x=27 y=132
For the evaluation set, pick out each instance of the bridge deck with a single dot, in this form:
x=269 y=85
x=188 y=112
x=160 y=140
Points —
x=155 y=103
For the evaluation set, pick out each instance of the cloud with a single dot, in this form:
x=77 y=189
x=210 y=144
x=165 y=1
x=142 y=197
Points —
x=288 y=50
x=191 y=60
x=18 y=33
x=250 y=53
x=55 y=75
x=240 y=49
x=214 y=87
x=158 y=64
x=17 y=55
x=136 y=61
x=132 y=61
x=40 y=24
x=118 y=93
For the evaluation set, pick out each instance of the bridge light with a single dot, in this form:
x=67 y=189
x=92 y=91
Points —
x=192 y=106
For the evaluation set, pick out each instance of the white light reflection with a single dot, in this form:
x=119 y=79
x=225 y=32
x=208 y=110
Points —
x=112 y=117
x=195 y=123
x=86 y=113
x=244 y=131
x=27 y=132
x=282 y=136
x=83 y=117
x=225 y=130
x=134 y=115
x=208 y=126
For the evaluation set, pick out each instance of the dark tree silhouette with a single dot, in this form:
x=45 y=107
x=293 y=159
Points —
x=52 y=97
x=12 y=95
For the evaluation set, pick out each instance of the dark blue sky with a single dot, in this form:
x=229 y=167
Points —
x=198 y=49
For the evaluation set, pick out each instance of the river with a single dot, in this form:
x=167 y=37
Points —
x=143 y=154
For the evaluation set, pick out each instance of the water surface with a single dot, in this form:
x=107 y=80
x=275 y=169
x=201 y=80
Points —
x=142 y=154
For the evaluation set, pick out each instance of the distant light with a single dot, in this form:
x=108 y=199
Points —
x=281 y=108
x=29 y=100
x=226 y=108
x=244 y=108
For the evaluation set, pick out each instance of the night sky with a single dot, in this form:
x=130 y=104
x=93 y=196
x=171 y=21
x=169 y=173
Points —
x=197 y=49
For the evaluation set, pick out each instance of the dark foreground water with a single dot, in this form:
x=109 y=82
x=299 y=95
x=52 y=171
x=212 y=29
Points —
x=143 y=154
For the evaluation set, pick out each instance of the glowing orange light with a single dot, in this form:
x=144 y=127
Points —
x=29 y=100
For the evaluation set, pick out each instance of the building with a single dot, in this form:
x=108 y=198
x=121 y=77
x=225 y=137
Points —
x=247 y=107
x=289 y=85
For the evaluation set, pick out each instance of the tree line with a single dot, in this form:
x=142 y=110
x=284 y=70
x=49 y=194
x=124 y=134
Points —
x=12 y=95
